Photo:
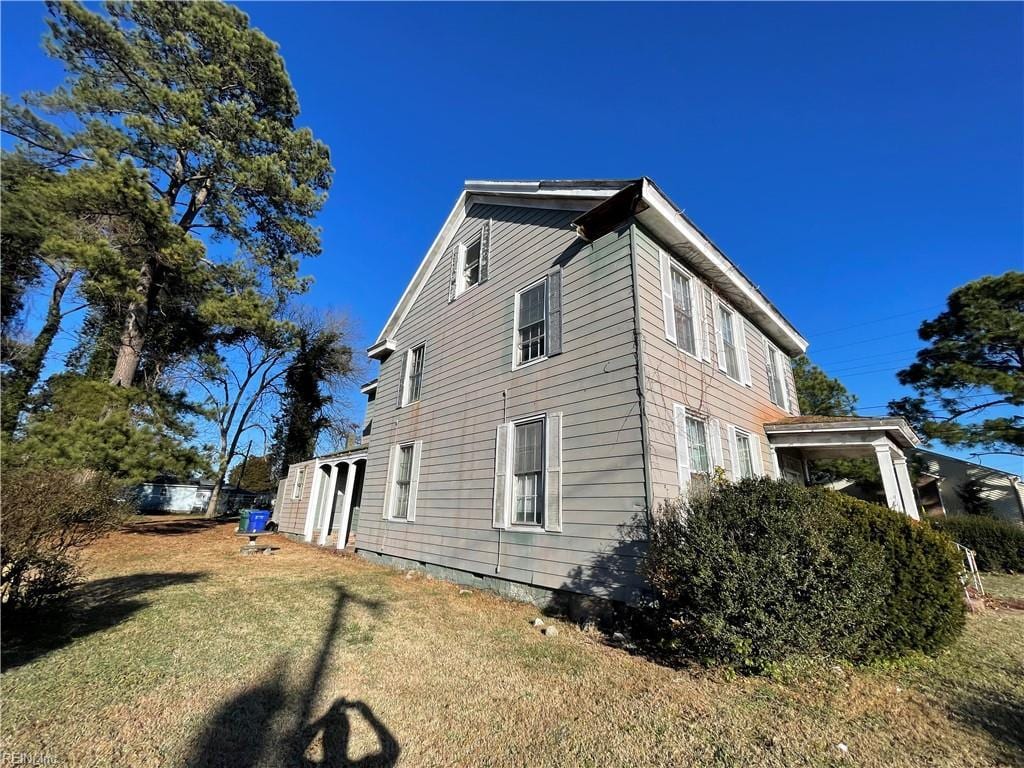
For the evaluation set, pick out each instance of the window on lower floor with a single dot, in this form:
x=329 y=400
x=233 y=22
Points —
x=744 y=455
x=528 y=472
x=403 y=482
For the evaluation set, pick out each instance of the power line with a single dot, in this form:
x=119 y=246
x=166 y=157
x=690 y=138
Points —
x=875 y=321
x=929 y=401
x=864 y=341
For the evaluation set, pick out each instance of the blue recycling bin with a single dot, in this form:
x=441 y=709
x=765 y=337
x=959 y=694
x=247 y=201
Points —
x=258 y=519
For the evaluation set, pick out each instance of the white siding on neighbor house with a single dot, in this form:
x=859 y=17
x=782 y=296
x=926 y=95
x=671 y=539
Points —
x=673 y=377
x=469 y=388
x=175 y=498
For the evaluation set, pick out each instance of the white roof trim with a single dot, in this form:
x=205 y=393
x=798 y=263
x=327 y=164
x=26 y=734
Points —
x=473 y=192
x=662 y=216
x=368 y=387
x=382 y=348
x=896 y=426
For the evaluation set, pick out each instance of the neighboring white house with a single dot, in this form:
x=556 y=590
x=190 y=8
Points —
x=171 y=495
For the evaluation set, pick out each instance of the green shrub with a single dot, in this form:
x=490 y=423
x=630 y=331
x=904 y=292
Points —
x=999 y=545
x=753 y=572
x=49 y=515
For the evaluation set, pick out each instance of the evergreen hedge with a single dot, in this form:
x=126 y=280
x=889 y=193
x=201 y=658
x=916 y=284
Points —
x=750 y=573
x=998 y=545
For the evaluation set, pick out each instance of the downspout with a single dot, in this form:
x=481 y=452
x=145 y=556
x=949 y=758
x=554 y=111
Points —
x=641 y=384
x=504 y=416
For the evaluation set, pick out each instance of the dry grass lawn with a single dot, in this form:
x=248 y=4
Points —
x=183 y=653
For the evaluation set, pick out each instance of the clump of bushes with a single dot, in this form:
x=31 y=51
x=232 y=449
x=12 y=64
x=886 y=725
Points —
x=998 y=545
x=49 y=515
x=750 y=573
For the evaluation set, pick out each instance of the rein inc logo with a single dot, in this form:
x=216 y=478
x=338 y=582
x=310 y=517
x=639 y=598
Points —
x=26 y=758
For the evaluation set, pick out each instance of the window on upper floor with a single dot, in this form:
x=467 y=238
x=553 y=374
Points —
x=776 y=363
x=412 y=378
x=531 y=317
x=469 y=261
x=732 y=344
x=682 y=296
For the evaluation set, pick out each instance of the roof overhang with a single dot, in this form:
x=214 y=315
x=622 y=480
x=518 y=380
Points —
x=368 y=387
x=606 y=203
x=382 y=348
x=663 y=219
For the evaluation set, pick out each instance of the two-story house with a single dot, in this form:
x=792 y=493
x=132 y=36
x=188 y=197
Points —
x=568 y=355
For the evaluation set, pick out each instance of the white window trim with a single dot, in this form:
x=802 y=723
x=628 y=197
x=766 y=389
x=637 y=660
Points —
x=757 y=466
x=414 y=481
x=769 y=349
x=407 y=376
x=701 y=351
x=713 y=433
x=300 y=480
x=740 y=336
x=509 y=499
x=515 y=326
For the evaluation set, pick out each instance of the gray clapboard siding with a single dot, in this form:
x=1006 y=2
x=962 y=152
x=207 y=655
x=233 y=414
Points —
x=469 y=388
x=291 y=515
x=672 y=376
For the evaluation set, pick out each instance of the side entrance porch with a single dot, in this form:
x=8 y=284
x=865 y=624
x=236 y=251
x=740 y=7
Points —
x=799 y=439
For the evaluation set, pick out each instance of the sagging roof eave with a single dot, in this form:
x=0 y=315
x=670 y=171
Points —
x=896 y=428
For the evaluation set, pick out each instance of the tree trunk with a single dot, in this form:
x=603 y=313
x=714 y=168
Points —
x=26 y=371
x=133 y=335
x=211 y=506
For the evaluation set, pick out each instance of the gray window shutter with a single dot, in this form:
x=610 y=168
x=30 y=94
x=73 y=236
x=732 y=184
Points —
x=453 y=280
x=414 y=482
x=554 y=329
x=485 y=250
x=666 y=296
x=553 y=474
x=392 y=455
x=501 y=476
x=401 y=380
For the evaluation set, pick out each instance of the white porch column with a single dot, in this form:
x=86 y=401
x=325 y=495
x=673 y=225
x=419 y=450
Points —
x=888 y=472
x=906 y=487
x=328 y=504
x=314 y=494
x=346 y=505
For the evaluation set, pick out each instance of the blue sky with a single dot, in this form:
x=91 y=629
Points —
x=858 y=161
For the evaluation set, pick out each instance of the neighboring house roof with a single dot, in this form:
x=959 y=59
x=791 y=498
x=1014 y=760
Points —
x=896 y=428
x=632 y=197
x=937 y=457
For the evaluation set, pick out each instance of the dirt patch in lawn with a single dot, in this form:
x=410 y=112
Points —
x=306 y=658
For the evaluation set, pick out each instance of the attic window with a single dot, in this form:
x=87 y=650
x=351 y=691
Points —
x=471 y=267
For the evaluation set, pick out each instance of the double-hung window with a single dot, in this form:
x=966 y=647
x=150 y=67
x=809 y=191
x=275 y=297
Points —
x=531 y=323
x=681 y=295
x=683 y=311
x=471 y=265
x=528 y=471
x=300 y=477
x=413 y=379
x=775 y=363
x=744 y=457
x=699 y=447
x=727 y=322
x=746 y=453
x=403 y=483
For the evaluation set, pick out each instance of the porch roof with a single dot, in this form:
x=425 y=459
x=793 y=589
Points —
x=842 y=430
